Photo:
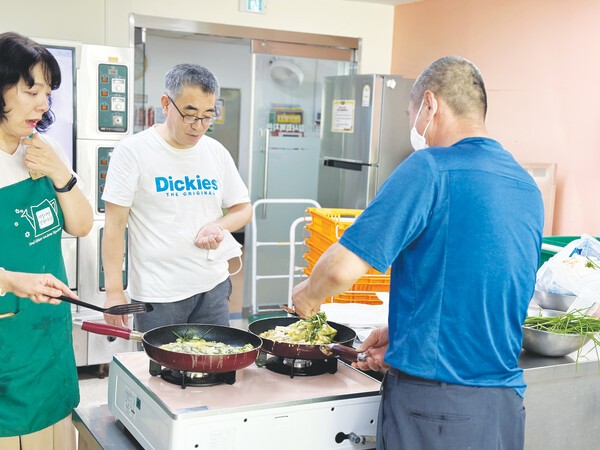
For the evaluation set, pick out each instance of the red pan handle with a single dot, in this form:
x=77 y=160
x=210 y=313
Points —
x=341 y=350
x=111 y=330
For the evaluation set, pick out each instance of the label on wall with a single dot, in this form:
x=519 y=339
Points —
x=342 y=116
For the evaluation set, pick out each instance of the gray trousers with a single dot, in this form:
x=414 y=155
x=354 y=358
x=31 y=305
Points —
x=210 y=307
x=418 y=414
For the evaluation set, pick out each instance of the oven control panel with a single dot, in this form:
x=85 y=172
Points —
x=104 y=154
x=112 y=98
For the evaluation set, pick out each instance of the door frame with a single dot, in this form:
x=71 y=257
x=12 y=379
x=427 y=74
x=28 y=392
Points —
x=178 y=27
x=260 y=41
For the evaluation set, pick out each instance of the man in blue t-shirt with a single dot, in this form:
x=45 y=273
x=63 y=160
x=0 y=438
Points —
x=460 y=222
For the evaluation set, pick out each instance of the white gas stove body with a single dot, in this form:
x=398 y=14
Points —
x=262 y=409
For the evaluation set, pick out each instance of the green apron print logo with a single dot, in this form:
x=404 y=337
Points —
x=43 y=218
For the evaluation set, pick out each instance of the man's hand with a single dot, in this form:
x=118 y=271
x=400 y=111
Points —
x=303 y=304
x=375 y=347
x=209 y=237
x=113 y=299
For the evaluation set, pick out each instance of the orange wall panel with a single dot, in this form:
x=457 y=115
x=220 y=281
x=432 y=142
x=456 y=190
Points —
x=541 y=64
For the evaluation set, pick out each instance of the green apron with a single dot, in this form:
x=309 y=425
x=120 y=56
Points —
x=38 y=377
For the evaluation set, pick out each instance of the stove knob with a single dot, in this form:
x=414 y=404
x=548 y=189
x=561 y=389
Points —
x=354 y=438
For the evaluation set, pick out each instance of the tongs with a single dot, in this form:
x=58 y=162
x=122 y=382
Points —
x=118 y=310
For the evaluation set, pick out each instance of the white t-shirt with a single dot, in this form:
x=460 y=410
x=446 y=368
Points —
x=171 y=194
x=13 y=169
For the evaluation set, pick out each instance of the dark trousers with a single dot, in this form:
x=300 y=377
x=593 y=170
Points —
x=418 y=414
x=210 y=307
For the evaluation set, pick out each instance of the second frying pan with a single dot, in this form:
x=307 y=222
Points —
x=344 y=336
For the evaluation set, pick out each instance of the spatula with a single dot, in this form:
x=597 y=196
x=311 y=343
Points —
x=118 y=310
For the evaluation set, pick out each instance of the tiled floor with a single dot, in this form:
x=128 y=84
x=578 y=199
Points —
x=93 y=390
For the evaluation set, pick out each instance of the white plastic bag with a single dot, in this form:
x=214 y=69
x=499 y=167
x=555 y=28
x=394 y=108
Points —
x=567 y=273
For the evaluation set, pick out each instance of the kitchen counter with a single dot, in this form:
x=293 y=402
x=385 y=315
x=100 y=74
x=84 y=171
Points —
x=562 y=400
x=98 y=429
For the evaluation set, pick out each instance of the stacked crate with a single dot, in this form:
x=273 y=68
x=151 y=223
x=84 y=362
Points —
x=326 y=228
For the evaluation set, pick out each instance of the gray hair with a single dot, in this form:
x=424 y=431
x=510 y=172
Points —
x=456 y=80
x=190 y=75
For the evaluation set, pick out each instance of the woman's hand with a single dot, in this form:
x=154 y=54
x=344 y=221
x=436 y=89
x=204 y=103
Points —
x=40 y=157
x=39 y=288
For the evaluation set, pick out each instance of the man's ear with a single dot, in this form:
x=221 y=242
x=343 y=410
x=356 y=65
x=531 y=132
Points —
x=430 y=104
x=164 y=102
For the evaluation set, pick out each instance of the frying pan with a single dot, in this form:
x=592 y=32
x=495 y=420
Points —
x=153 y=339
x=345 y=336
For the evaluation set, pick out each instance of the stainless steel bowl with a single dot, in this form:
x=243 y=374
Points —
x=551 y=344
x=550 y=312
x=547 y=300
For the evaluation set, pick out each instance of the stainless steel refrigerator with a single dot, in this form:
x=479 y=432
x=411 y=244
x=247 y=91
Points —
x=364 y=136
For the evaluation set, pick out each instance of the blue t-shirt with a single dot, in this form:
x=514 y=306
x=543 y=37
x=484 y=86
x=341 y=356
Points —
x=461 y=227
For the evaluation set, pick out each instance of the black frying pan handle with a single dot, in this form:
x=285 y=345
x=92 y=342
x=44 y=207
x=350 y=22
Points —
x=64 y=298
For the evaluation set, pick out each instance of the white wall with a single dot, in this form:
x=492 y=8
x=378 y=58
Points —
x=107 y=22
x=373 y=23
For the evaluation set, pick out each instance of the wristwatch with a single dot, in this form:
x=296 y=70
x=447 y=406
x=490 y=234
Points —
x=72 y=182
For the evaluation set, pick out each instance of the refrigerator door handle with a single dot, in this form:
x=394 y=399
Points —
x=267 y=134
x=343 y=164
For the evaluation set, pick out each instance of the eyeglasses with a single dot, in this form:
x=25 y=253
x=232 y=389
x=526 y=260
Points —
x=190 y=120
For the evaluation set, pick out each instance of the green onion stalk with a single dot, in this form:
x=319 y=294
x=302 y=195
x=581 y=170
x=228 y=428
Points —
x=575 y=322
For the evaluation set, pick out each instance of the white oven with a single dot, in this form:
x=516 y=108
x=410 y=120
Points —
x=94 y=110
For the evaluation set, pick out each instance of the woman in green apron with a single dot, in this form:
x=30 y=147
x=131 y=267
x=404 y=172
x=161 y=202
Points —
x=38 y=199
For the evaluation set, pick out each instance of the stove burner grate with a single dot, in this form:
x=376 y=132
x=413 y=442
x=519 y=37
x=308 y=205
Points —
x=301 y=367
x=193 y=379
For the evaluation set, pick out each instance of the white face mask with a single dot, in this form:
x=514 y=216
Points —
x=227 y=249
x=418 y=142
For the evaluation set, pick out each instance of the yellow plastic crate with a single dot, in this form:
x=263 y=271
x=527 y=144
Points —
x=359 y=297
x=316 y=249
x=332 y=222
x=317 y=241
x=374 y=283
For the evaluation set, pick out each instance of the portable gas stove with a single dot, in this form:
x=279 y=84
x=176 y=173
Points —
x=259 y=409
x=297 y=367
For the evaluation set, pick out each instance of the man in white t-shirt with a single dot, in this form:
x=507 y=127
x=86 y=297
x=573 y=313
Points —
x=170 y=184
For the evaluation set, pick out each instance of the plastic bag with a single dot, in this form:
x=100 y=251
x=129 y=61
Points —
x=575 y=270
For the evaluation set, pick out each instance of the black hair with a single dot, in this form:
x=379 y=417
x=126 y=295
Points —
x=18 y=56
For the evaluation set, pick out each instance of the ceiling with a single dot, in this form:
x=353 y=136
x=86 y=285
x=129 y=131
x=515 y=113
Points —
x=386 y=2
